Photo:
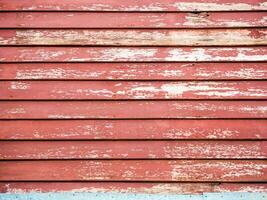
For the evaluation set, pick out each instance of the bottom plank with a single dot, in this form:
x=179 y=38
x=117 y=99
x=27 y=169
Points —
x=130 y=187
x=132 y=170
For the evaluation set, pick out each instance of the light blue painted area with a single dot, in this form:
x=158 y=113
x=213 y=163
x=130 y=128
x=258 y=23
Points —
x=131 y=196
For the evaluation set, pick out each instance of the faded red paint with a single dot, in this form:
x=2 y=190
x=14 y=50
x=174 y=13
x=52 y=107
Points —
x=135 y=170
x=85 y=90
x=158 y=97
x=133 y=71
x=132 y=109
x=133 y=129
x=144 y=5
x=131 y=187
x=131 y=20
x=132 y=54
x=20 y=150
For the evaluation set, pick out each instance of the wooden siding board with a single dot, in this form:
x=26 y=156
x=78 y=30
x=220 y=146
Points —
x=131 y=20
x=133 y=71
x=25 y=150
x=121 y=98
x=153 y=37
x=135 y=170
x=131 y=54
x=130 y=187
x=132 y=109
x=132 y=129
x=82 y=90
x=144 y=5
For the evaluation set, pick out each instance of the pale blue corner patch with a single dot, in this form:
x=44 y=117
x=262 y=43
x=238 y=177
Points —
x=130 y=196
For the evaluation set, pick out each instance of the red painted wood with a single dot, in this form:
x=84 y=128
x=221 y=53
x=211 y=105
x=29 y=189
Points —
x=131 y=20
x=144 y=5
x=133 y=71
x=131 y=187
x=131 y=90
x=130 y=54
x=130 y=37
x=14 y=150
x=132 y=109
x=229 y=117
x=132 y=129
x=135 y=170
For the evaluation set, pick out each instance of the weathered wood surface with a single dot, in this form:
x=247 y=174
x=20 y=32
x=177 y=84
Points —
x=133 y=71
x=132 y=129
x=144 y=5
x=130 y=187
x=152 y=37
x=131 y=20
x=135 y=170
x=25 y=150
x=131 y=109
x=131 y=54
x=83 y=90
x=133 y=97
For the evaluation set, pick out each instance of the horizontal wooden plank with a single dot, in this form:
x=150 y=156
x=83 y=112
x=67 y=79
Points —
x=132 y=129
x=133 y=71
x=131 y=20
x=89 y=90
x=130 y=187
x=131 y=109
x=133 y=170
x=204 y=37
x=144 y=5
x=26 y=150
x=131 y=54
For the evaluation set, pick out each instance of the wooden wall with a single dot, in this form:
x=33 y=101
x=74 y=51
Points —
x=133 y=96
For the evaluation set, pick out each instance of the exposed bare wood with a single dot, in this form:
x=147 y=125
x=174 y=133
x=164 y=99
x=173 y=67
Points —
x=206 y=37
x=131 y=54
x=130 y=187
x=144 y=5
x=62 y=90
x=133 y=71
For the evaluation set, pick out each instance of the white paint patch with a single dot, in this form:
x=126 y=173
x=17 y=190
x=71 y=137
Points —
x=199 y=6
x=16 y=111
x=19 y=86
x=114 y=54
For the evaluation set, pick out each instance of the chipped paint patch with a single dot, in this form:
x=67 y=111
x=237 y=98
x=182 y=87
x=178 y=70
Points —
x=19 y=86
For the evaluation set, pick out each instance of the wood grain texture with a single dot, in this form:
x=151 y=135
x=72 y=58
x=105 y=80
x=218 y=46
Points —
x=152 y=97
x=144 y=5
x=132 y=129
x=90 y=90
x=133 y=71
x=153 y=37
x=131 y=20
x=131 y=54
x=132 y=109
x=131 y=187
x=135 y=170
x=18 y=150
